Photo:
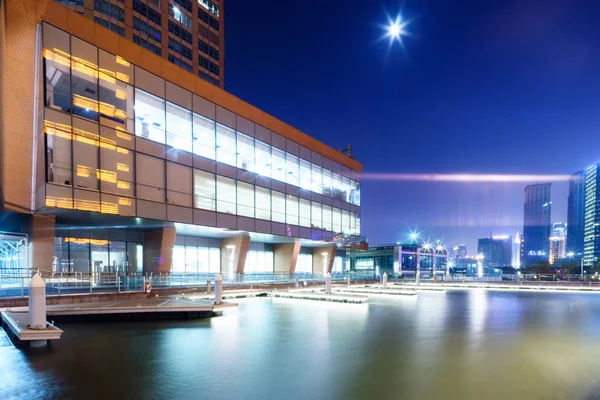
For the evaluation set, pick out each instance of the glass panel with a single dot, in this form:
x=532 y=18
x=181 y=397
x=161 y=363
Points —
x=327 y=218
x=119 y=161
x=215 y=260
x=139 y=256
x=337 y=220
x=278 y=206
x=305 y=175
x=58 y=153
x=226 y=145
x=116 y=66
x=317 y=179
x=61 y=256
x=178 y=263
x=204 y=190
x=85 y=161
x=263 y=159
x=278 y=169
x=116 y=103
x=99 y=250
x=291 y=208
x=293 y=170
x=346 y=189
x=316 y=218
x=191 y=259
x=305 y=213
x=84 y=79
x=203 y=260
x=179 y=127
x=245 y=199
x=118 y=256
x=345 y=222
x=150 y=186
x=327 y=183
x=204 y=137
x=353 y=230
x=225 y=195
x=80 y=256
x=263 y=203
x=149 y=116
x=304 y=264
x=245 y=151
x=338 y=191
x=58 y=76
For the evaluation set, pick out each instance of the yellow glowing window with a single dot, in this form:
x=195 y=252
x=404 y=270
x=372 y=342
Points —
x=124 y=201
x=123 y=167
x=123 y=185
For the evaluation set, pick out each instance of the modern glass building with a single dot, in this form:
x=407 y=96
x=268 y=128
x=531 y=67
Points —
x=536 y=223
x=187 y=33
x=576 y=214
x=400 y=259
x=116 y=160
x=591 y=240
x=496 y=251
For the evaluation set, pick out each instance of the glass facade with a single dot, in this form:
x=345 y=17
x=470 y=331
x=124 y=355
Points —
x=100 y=109
x=196 y=259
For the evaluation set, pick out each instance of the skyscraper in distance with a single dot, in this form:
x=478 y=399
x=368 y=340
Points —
x=558 y=240
x=516 y=251
x=591 y=239
x=496 y=251
x=576 y=214
x=536 y=223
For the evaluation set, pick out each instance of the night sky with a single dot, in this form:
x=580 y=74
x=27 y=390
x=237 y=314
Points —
x=495 y=87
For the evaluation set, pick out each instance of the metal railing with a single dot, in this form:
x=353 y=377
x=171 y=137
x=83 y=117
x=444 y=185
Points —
x=14 y=282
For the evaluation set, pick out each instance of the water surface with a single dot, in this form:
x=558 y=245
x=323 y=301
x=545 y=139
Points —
x=454 y=345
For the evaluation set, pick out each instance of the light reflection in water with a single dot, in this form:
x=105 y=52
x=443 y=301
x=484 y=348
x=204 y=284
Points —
x=457 y=345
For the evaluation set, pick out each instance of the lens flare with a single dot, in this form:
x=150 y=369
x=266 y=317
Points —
x=466 y=178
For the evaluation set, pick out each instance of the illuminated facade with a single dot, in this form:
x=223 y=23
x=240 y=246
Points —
x=516 y=251
x=496 y=251
x=536 y=223
x=133 y=154
x=576 y=214
x=558 y=242
x=187 y=33
x=591 y=240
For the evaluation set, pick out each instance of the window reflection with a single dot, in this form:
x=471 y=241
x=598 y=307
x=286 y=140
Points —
x=226 y=152
x=179 y=127
x=149 y=116
x=204 y=137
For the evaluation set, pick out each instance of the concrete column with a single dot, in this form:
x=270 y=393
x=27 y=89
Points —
x=233 y=254
x=158 y=250
x=40 y=231
x=286 y=257
x=323 y=258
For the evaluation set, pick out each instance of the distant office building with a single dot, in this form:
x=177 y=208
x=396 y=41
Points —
x=496 y=251
x=460 y=251
x=516 y=251
x=536 y=223
x=558 y=242
x=464 y=267
x=576 y=214
x=591 y=239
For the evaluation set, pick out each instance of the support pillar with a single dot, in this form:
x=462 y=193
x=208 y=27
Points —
x=286 y=257
x=233 y=254
x=40 y=231
x=323 y=258
x=158 y=250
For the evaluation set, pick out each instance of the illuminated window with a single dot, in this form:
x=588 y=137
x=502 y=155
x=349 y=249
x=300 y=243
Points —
x=317 y=215
x=258 y=261
x=292 y=170
x=327 y=184
x=120 y=161
x=226 y=195
x=317 y=179
x=178 y=263
x=263 y=159
x=245 y=152
x=338 y=191
x=345 y=222
x=84 y=79
x=277 y=207
x=116 y=102
x=291 y=209
x=204 y=137
x=305 y=175
x=179 y=127
x=327 y=218
x=337 y=220
x=263 y=203
x=226 y=152
x=305 y=213
x=278 y=167
x=149 y=116
x=245 y=199
x=205 y=190
x=304 y=264
x=85 y=156
x=191 y=259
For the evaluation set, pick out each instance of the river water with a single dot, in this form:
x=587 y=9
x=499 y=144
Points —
x=470 y=344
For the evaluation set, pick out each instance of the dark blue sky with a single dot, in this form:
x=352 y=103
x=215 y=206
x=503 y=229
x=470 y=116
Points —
x=506 y=87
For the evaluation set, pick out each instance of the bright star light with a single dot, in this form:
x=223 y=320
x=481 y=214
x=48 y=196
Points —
x=395 y=29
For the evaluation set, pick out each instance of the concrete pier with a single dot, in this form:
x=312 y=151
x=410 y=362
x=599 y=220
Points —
x=16 y=325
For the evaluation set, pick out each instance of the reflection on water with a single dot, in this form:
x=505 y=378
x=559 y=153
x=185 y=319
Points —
x=453 y=345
